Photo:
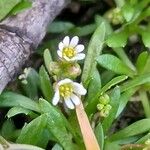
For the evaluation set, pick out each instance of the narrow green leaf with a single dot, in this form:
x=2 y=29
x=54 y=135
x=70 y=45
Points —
x=117 y=39
x=24 y=4
x=29 y=132
x=137 y=81
x=47 y=59
x=128 y=11
x=112 y=146
x=94 y=49
x=113 y=82
x=59 y=27
x=6 y=7
x=8 y=130
x=95 y=83
x=114 y=64
x=83 y=31
x=9 y=99
x=46 y=85
x=146 y=37
x=136 y=128
x=100 y=135
x=31 y=88
x=141 y=61
x=124 y=100
x=115 y=100
x=55 y=122
x=143 y=139
x=17 y=110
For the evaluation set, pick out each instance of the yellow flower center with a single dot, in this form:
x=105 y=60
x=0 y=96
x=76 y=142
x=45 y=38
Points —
x=69 y=52
x=66 y=90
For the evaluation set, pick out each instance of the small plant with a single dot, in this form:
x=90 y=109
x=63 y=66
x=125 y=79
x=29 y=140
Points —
x=78 y=95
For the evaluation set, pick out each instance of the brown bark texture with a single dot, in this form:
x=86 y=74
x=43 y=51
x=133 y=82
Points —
x=21 y=34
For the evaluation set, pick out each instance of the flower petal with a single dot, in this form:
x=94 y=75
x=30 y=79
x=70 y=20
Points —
x=66 y=41
x=75 y=99
x=69 y=103
x=64 y=81
x=74 y=41
x=66 y=58
x=79 y=89
x=59 y=53
x=79 y=48
x=61 y=46
x=56 y=98
x=79 y=56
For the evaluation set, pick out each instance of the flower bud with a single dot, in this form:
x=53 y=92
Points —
x=64 y=69
x=104 y=99
x=54 y=68
x=115 y=16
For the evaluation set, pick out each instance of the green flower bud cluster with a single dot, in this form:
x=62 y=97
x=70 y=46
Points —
x=115 y=16
x=64 y=69
x=104 y=107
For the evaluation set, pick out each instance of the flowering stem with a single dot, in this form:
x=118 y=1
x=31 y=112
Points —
x=87 y=132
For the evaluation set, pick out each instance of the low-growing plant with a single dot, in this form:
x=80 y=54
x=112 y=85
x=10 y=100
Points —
x=69 y=101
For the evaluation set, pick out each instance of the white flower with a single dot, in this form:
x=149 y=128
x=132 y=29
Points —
x=70 y=50
x=68 y=91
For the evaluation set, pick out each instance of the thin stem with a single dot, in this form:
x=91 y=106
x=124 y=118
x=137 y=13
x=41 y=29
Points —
x=120 y=52
x=87 y=132
x=145 y=102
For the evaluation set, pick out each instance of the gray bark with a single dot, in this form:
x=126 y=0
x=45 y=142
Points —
x=22 y=33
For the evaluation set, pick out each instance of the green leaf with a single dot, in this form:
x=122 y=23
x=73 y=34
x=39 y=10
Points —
x=113 y=82
x=117 y=39
x=83 y=31
x=17 y=110
x=31 y=88
x=57 y=147
x=143 y=139
x=112 y=146
x=115 y=100
x=114 y=64
x=94 y=49
x=24 y=4
x=6 y=7
x=47 y=59
x=59 y=27
x=137 y=81
x=136 y=128
x=91 y=106
x=46 y=85
x=141 y=61
x=57 y=125
x=95 y=83
x=128 y=11
x=9 y=99
x=29 y=132
x=125 y=97
x=8 y=130
x=100 y=135
x=146 y=38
